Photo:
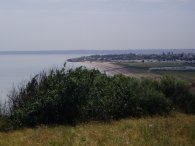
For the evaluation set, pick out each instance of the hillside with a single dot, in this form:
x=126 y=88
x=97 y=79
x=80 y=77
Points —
x=86 y=107
x=174 y=130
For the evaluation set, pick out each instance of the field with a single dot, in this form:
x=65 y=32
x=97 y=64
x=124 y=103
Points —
x=175 y=130
x=143 y=68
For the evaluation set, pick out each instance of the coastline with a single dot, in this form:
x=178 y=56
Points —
x=112 y=69
x=108 y=67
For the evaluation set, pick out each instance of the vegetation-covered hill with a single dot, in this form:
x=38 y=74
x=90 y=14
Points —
x=174 y=130
x=63 y=96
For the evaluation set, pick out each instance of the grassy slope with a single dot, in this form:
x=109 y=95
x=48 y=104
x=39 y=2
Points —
x=175 y=130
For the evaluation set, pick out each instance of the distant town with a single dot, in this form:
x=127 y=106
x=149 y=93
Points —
x=131 y=57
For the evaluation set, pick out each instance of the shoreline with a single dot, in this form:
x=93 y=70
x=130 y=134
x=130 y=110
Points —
x=112 y=69
x=107 y=67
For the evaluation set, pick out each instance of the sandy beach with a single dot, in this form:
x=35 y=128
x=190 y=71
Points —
x=107 y=67
x=112 y=69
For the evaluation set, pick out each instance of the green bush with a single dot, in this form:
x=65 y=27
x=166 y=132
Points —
x=154 y=102
x=62 y=96
x=178 y=92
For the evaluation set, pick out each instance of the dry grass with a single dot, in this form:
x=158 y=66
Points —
x=175 y=130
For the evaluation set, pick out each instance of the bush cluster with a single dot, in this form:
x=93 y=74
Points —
x=62 y=96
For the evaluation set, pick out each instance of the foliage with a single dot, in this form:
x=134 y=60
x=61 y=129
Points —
x=63 y=96
x=178 y=92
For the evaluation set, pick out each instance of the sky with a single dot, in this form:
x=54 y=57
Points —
x=96 y=24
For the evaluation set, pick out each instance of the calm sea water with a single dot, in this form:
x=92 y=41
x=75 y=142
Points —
x=15 y=69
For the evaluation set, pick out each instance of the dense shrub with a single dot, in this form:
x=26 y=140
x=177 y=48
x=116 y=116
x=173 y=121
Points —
x=178 y=92
x=154 y=102
x=58 y=97
x=69 y=96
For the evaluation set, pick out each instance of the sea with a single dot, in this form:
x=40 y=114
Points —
x=17 y=67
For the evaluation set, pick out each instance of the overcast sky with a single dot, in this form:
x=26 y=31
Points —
x=96 y=24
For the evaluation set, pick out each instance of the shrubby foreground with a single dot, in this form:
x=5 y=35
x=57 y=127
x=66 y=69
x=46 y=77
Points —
x=62 y=96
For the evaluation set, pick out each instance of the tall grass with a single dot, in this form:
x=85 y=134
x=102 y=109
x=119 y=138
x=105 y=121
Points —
x=174 y=130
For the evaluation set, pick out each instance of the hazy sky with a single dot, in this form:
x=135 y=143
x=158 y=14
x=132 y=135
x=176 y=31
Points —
x=96 y=24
